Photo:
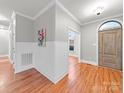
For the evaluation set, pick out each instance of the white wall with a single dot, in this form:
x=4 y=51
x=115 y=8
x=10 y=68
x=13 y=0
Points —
x=4 y=42
x=89 y=41
x=52 y=60
x=12 y=28
x=23 y=48
x=44 y=56
x=24 y=32
x=63 y=21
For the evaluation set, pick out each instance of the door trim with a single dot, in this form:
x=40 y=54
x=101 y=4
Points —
x=79 y=33
x=97 y=40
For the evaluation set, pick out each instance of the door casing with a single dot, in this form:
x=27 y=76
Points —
x=99 y=57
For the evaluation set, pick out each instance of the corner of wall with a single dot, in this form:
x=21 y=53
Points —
x=89 y=62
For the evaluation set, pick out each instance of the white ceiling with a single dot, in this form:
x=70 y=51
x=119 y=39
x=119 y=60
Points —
x=82 y=9
x=27 y=7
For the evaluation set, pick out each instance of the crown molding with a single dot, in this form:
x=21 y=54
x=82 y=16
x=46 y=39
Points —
x=48 y=7
x=44 y=10
x=61 y=6
x=24 y=15
x=67 y=11
x=106 y=18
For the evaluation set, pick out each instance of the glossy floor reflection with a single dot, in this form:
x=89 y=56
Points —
x=6 y=72
x=82 y=78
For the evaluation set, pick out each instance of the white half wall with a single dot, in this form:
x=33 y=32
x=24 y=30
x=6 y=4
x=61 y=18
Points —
x=23 y=48
x=61 y=60
x=44 y=59
x=52 y=60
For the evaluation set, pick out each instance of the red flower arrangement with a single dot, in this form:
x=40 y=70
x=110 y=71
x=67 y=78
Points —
x=41 y=37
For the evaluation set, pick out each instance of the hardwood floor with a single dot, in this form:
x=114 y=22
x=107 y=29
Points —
x=82 y=78
x=6 y=72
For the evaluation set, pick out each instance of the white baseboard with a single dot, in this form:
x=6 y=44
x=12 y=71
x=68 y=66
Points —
x=44 y=74
x=21 y=48
x=23 y=68
x=89 y=62
x=41 y=54
x=60 y=78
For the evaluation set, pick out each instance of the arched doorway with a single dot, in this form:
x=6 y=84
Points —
x=110 y=44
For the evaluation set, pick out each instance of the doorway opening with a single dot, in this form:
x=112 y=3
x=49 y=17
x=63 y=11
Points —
x=4 y=42
x=73 y=50
x=7 y=40
x=73 y=43
x=110 y=45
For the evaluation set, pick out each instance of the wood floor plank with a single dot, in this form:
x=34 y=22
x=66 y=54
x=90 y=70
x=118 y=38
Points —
x=82 y=78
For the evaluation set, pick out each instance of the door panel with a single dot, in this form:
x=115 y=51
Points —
x=110 y=48
x=109 y=43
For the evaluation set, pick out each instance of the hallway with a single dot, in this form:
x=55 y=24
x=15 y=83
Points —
x=82 y=78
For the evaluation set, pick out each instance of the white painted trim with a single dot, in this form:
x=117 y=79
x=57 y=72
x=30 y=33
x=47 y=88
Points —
x=102 y=19
x=13 y=13
x=109 y=20
x=48 y=7
x=97 y=50
x=46 y=76
x=52 y=79
x=44 y=10
x=75 y=30
x=67 y=11
x=61 y=6
x=9 y=26
x=78 y=32
x=89 y=62
x=60 y=78
x=24 y=68
x=24 y=15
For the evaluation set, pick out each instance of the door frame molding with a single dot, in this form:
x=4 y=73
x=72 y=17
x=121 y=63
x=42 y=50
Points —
x=78 y=32
x=12 y=29
x=97 y=34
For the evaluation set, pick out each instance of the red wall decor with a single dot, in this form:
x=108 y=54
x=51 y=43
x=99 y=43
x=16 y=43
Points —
x=42 y=37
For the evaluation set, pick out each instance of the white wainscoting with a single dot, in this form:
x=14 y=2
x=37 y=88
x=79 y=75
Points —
x=44 y=59
x=61 y=60
x=23 y=48
x=51 y=61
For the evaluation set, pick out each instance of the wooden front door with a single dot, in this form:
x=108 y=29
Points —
x=110 y=48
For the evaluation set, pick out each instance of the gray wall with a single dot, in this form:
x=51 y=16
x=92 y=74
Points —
x=89 y=40
x=44 y=56
x=52 y=60
x=62 y=22
x=46 y=20
x=24 y=29
x=4 y=42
